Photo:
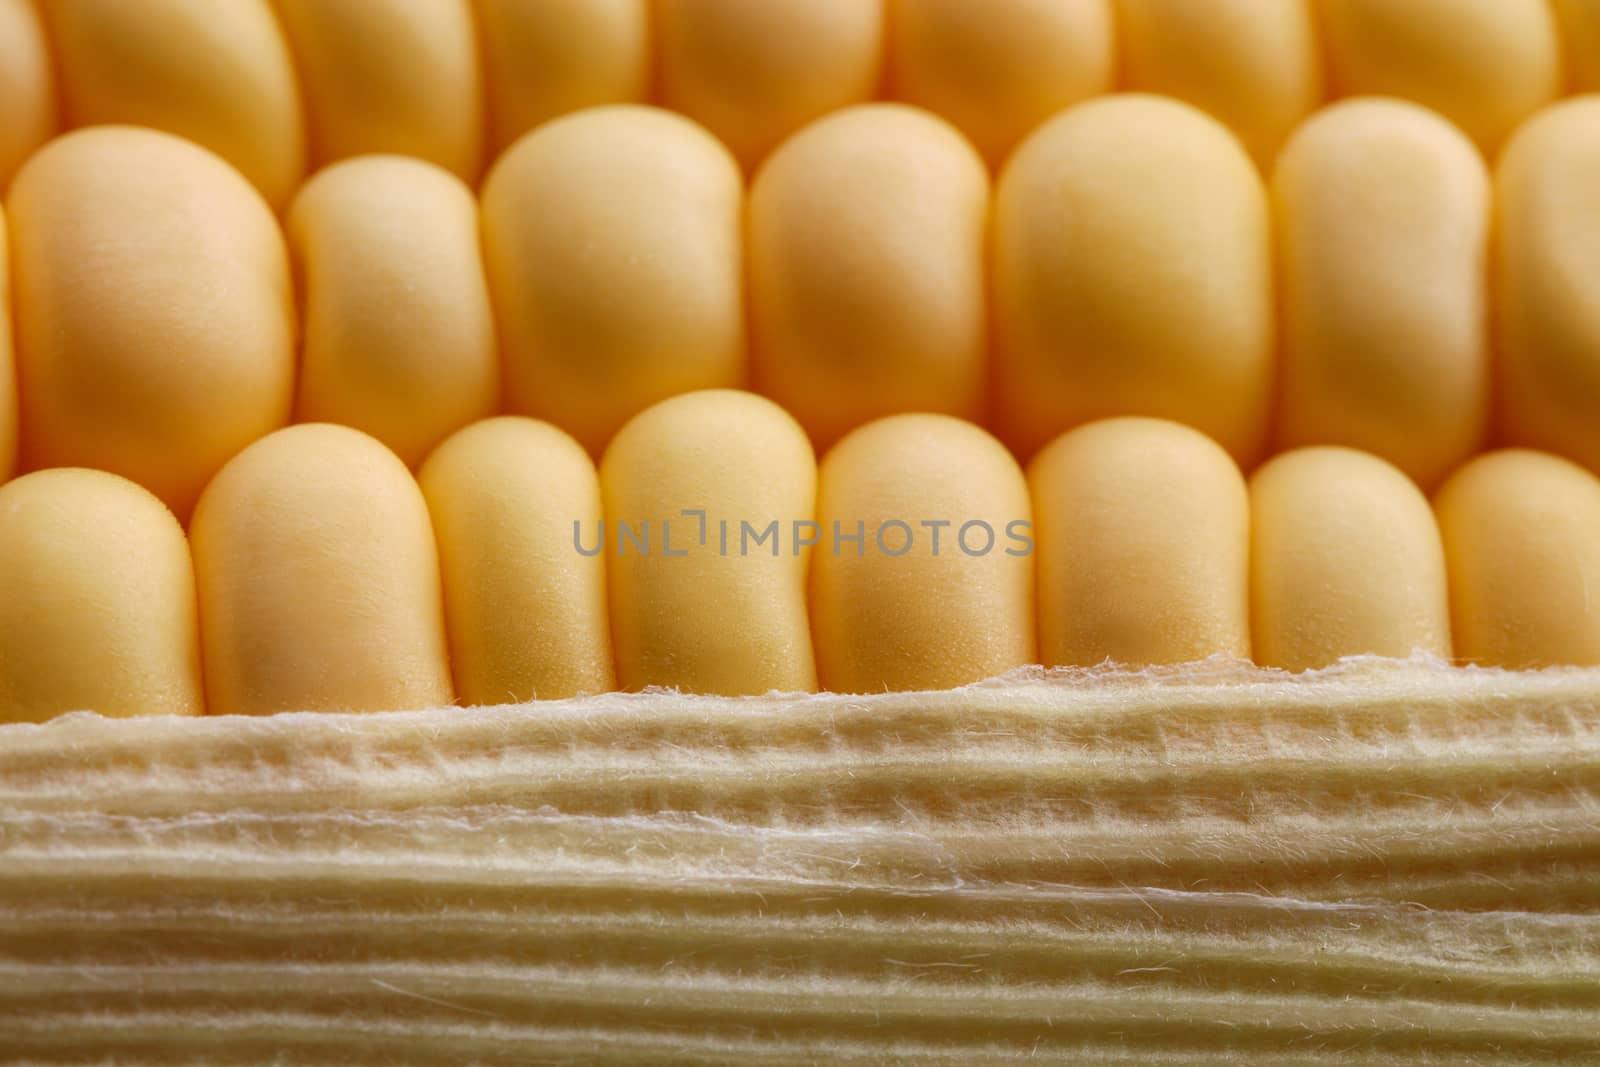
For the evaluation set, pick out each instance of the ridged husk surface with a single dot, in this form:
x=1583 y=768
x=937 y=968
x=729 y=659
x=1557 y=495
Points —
x=1383 y=863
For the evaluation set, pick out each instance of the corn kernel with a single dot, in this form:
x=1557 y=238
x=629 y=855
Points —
x=28 y=113
x=153 y=306
x=8 y=366
x=318 y=579
x=1382 y=212
x=1345 y=560
x=525 y=612
x=544 y=58
x=1144 y=532
x=753 y=73
x=218 y=74
x=866 y=245
x=1522 y=543
x=398 y=334
x=706 y=577
x=1483 y=64
x=1579 y=22
x=397 y=76
x=1254 y=65
x=922 y=577
x=97 y=600
x=1133 y=276
x=1547 y=282
x=998 y=69
x=614 y=251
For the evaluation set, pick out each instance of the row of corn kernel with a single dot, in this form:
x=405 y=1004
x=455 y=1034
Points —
x=271 y=85
x=710 y=553
x=1125 y=265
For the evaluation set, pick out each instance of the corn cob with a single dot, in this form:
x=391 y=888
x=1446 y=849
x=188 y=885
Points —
x=1181 y=859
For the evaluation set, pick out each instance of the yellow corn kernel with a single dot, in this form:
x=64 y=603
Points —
x=524 y=610
x=753 y=73
x=923 y=573
x=1382 y=213
x=1483 y=64
x=398 y=334
x=1143 y=532
x=216 y=73
x=1255 y=65
x=998 y=69
x=8 y=366
x=395 y=76
x=1579 y=22
x=866 y=245
x=1547 y=282
x=1345 y=560
x=613 y=240
x=706 y=572
x=98 y=608
x=318 y=579
x=153 y=308
x=27 y=86
x=1133 y=276
x=544 y=58
x=1522 y=542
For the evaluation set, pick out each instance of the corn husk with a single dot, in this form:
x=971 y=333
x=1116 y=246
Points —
x=1382 y=863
